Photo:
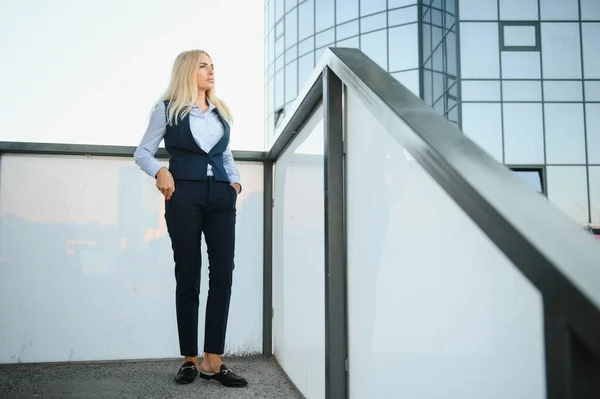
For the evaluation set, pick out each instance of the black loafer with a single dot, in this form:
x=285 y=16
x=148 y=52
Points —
x=226 y=377
x=187 y=373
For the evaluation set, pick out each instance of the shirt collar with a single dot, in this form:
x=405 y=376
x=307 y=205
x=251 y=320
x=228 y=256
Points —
x=211 y=106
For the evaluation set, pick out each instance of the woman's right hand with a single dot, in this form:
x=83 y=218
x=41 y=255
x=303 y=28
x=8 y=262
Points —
x=165 y=183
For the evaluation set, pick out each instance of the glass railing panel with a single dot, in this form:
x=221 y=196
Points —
x=86 y=267
x=298 y=260
x=435 y=309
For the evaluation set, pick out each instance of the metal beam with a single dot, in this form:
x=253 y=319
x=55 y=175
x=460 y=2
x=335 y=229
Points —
x=267 y=346
x=18 y=147
x=336 y=346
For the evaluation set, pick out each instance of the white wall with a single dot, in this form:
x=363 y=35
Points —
x=87 y=71
x=86 y=267
x=298 y=260
x=435 y=309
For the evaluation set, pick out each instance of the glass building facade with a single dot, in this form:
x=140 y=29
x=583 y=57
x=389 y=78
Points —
x=521 y=78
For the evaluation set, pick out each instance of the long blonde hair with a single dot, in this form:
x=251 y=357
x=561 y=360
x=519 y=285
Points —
x=183 y=91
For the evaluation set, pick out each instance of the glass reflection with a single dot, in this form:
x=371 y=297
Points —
x=325 y=13
x=483 y=124
x=402 y=16
x=291 y=28
x=594 y=172
x=521 y=65
x=291 y=81
x=478 y=9
x=372 y=6
x=565 y=141
x=325 y=38
x=522 y=90
x=533 y=178
x=349 y=43
x=373 y=22
x=410 y=80
x=592 y=90
x=306 y=19
x=347 y=30
x=561 y=55
x=523 y=134
x=591 y=49
x=519 y=36
x=559 y=9
x=346 y=10
x=515 y=10
x=563 y=91
x=479 y=51
x=306 y=65
x=567 y=189
x=374 y=45
x=480 y=90
x=404 y=47
x=592 y=115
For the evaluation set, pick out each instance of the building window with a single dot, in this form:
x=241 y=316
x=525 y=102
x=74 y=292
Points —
x=278 y=117
x=519 y=36
x=533 y=176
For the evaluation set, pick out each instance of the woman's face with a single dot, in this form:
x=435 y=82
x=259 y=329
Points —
x=206 y=74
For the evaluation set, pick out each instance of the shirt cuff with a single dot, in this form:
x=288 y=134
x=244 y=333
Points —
x=154 y=168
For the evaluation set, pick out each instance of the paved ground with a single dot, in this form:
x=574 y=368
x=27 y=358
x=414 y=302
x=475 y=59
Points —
x=143 y=380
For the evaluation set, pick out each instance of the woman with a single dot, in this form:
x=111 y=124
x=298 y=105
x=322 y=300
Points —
x=200 y=187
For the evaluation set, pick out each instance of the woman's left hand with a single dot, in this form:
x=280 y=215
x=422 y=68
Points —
x=237 y=187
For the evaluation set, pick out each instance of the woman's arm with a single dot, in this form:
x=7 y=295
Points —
x=232 y=173
x=155 y=132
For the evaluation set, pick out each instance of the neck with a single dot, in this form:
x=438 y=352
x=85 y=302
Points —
x=201 y=100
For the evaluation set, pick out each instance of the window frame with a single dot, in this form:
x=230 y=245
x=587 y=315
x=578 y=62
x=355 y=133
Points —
x=541 y=171
x=538 y=35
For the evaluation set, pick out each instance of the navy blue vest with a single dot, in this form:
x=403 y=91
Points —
x=187 y=160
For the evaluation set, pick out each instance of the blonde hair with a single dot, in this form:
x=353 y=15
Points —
x=183 y=92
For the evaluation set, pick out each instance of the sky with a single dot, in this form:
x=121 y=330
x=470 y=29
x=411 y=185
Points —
x=89 y=72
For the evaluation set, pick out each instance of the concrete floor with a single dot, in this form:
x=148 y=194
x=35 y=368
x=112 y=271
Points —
x=143 y=380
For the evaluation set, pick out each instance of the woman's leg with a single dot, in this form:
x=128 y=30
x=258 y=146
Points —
x=184 y=219
x=219 y=233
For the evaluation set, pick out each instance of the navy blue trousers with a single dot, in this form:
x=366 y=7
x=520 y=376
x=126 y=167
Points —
x=196 y=208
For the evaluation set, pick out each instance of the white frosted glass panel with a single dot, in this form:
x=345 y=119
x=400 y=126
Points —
x=298 y=260
x=89 y=234
x=121 y=50
x=430 y=297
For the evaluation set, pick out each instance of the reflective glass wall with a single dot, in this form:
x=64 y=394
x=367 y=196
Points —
x=298 y=32
x=530 y=90
x=521 y=77
x=439 y=57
